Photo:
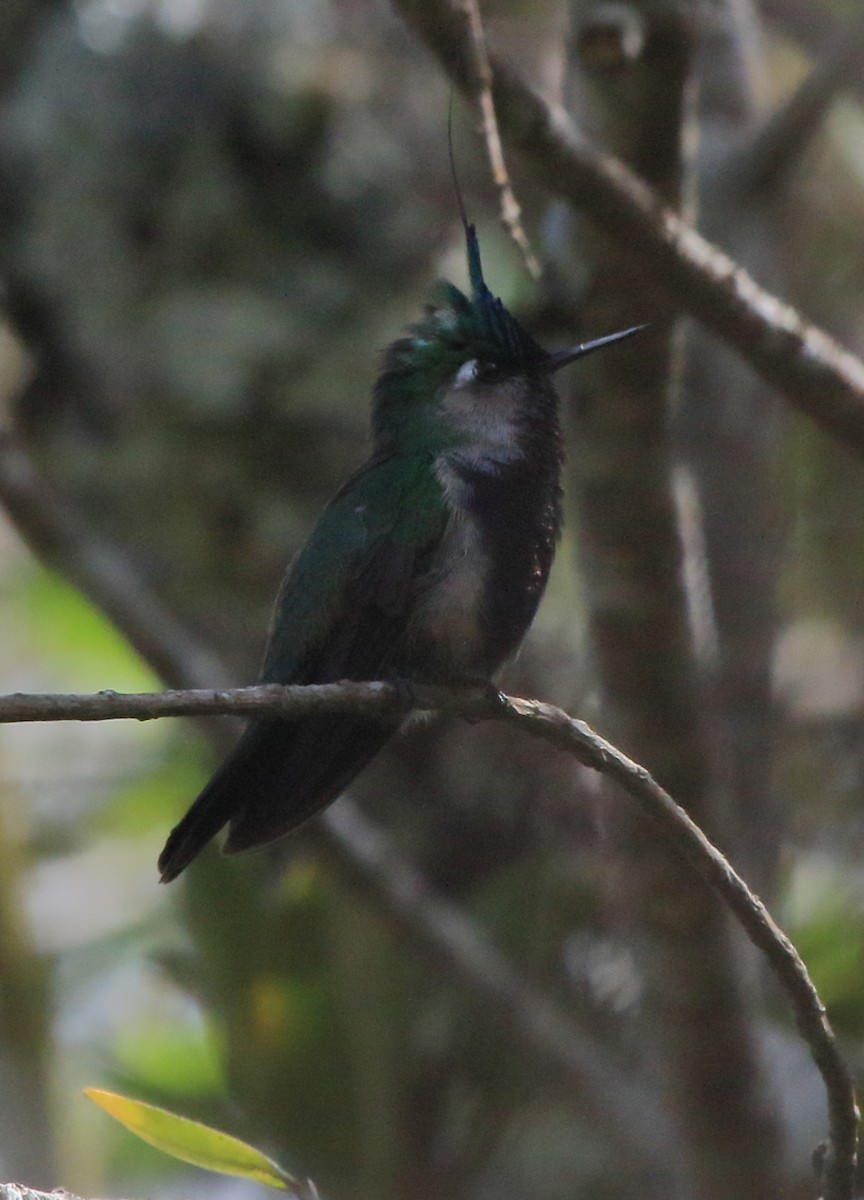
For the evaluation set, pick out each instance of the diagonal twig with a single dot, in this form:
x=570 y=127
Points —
x=511 y=213
x=817 y=376
x=61 y=536
x=777 y=147
x=574 y=737
x=51 y=530
x=521 y=1008
x=51 y=525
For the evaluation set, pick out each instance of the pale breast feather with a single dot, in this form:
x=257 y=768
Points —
x=449 y=612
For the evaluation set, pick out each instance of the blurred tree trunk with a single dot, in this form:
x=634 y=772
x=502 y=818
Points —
x=205 y=240
x=641 y=544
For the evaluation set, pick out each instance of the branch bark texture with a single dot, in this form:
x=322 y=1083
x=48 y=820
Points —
x=573 y=737
x=60 y=534
x=817 y=376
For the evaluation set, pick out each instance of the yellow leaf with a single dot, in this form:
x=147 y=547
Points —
x=198 y=1144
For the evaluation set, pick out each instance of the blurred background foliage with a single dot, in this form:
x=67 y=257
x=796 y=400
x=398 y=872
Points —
x=213 y=216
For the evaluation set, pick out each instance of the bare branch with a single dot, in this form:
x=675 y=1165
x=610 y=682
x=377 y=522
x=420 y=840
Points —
x=62 y=537
x=17 y=1191
x=816 y=374
x=778 y=146
x=59 y=534
x=93 y=565
x=633 y=1125
x=511 y=213
x=576 y=738
x=271 y=699
x=794 y=20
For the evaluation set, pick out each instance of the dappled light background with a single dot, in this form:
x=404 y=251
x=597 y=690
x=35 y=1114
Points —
x=214 y=215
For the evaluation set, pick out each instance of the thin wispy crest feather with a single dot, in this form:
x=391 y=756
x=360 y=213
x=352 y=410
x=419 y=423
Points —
x=475 y=267
x=479 y=290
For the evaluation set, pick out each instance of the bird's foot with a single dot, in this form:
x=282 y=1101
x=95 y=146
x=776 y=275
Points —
x=490 y=696
x=405 y=693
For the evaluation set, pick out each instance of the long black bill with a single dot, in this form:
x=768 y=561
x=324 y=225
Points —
x=556 y=361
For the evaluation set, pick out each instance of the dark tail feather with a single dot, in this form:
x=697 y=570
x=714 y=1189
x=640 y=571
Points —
x=318 y=762
x=280 y=774
x=212 y=810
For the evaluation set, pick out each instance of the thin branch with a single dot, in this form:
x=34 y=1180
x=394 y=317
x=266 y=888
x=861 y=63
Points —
x=816 y=374
x=558 y=728
x=270 y=699
x=793 y=19
x=63 y=538
x=17 y=1191
x=778 y=146
x=576 y=738
x=58 y=534
x=511 y=213
x=695 y=995
x=635 y=1126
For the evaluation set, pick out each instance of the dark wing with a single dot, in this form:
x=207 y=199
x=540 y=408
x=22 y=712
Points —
x=342 y=608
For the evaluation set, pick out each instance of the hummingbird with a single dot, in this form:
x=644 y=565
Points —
x=427 y=566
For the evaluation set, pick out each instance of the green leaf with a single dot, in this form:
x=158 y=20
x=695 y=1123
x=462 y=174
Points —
x=192 y=1142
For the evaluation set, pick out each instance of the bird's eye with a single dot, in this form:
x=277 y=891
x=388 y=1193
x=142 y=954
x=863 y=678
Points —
x=467 y=373
x=488 y=372
x=473 y=371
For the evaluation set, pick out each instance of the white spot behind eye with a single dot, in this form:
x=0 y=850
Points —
x=467 y=373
